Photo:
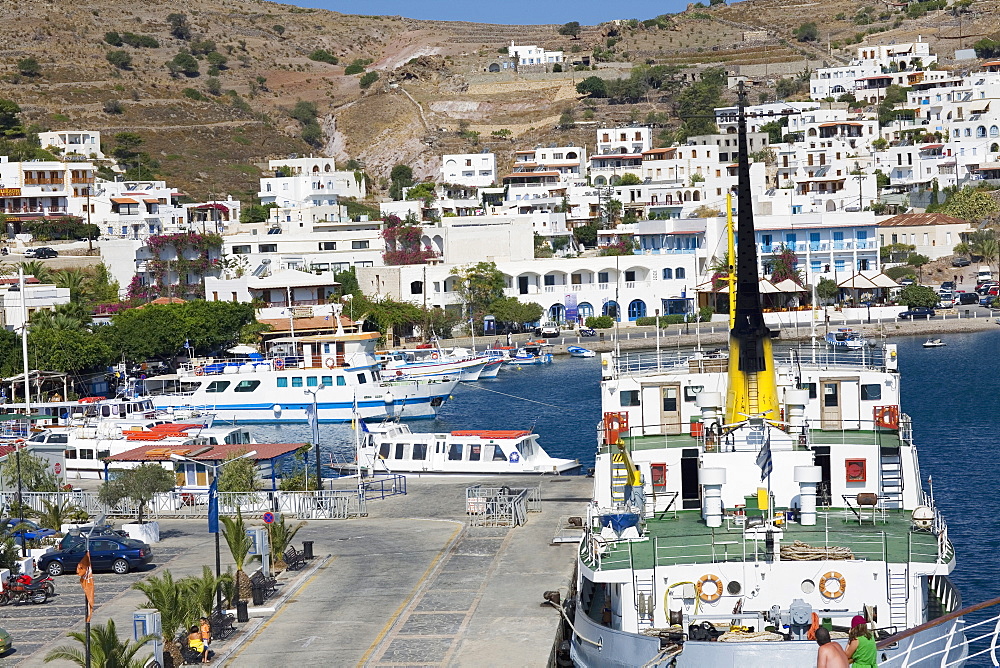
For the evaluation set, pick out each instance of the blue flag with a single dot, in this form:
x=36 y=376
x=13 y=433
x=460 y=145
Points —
x=364 y=427
x=213 y=506
x=764 y=459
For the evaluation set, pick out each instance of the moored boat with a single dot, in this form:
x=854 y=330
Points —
x=845 y=337
x=934 y=343
x=578 y=351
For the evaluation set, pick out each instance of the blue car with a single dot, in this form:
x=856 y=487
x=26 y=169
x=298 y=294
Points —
x=918 y=312
x=30 y=530
x=118 y=555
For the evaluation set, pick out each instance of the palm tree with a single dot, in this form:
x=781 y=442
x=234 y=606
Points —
x=57 y=514
x=106 y=649
x=176 y=605
x=280 y=536
x=73 y=279
x=235 y=533
x=203 y=589
x=37 y=269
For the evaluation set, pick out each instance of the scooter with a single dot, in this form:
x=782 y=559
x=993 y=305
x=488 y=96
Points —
x=19 y=591
x=587 y=331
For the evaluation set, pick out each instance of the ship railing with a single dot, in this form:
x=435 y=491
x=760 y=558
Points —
x=950 y=648
x=638 y=363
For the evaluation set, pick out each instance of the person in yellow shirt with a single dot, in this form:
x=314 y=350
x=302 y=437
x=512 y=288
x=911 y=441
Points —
x=197 y=644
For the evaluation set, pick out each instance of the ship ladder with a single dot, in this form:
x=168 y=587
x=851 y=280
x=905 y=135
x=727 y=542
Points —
x=890 y=477
x=752 y=394
x=899 y=594
x=619 y=476
x=645 y=601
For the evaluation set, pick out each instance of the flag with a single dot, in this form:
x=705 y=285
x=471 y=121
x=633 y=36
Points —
x=86 y=573
x=213 y=506
x=764 y=459
x=364 y=427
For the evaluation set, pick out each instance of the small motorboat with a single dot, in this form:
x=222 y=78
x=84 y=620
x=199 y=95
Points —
x=845 y=337
x=934 y=343
x=578 y=351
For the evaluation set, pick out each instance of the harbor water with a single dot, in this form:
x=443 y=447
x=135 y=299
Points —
x=950 y=392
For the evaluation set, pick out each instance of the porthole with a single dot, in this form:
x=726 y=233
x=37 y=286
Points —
x=734 y=588
x=808 y=586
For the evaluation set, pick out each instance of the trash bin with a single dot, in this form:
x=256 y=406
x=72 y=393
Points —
x=307 y=549
x=257 y=593
x=242 y=615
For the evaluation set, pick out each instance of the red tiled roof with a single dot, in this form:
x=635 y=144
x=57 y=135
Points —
x=158 y=452
x=302 y=324
x=930 y=146
x=913 y=219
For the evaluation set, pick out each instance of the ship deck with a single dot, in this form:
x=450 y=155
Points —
x=882 y=438
x=684 y=538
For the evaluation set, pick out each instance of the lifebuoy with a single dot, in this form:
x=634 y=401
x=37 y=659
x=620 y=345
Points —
x=330 y=362
x=832 y=576
x=706 y=595
x=199 y=371
x=279 y=363
x=434 y=356
x=887 y=417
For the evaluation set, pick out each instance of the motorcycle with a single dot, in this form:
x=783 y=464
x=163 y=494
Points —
x=24 y=589
x=587 y=331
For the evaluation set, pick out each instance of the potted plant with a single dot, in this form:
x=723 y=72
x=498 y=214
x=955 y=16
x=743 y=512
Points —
x=139 y=485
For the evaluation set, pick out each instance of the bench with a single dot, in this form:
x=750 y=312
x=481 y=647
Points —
x=262 y=586
x=294 y=559
x=222 y=624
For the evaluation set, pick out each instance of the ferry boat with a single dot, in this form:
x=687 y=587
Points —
x=392 y=448
x=432 y=363
x=340 y=369
x=845 y=337
x=742 y=501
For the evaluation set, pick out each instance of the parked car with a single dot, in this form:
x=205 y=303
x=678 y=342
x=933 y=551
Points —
x=947 y=286
x=984 y=287
x=119 y=555
x=986 y=300
x=548 y=330
x=41 y=253
x=907 y=281
x=71 y=540
x=6 y=643
x=961 y=262
x=966 y=298
x=31 y=530
x=918 y=312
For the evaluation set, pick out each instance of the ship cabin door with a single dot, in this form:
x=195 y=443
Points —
x=830 y=396
x=670 y=408
x=690 y=489
x=440 y=448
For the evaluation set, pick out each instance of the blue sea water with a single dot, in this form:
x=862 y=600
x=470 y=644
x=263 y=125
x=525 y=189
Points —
x=950 y=393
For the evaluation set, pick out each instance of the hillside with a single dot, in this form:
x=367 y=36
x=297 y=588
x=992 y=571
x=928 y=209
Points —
x=210 y=134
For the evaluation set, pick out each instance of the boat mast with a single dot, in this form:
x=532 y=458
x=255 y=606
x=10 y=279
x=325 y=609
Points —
x=752 y=382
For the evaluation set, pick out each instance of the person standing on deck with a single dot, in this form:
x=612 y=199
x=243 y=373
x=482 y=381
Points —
x=861 y=648
x=830 y=654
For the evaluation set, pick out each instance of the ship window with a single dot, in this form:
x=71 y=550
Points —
x=86 y=453
x=247 y=386
x=419 y=451
x=57 y=438
x=658 y=472
x=217 y=386
x=296 y=381
x=629 y=397
x=361 y=379
x=69 y=454
x=383 y=451
x=282 y=382
x=808 y=386
x=327 y=380
x=691 y=392
x=455 y=452
x=871 y=392
x=341 y=380
x=399 y=450
x=103 y=454
x=498 y=455
x=312 y=381
x=669 y=400
x=475 y=452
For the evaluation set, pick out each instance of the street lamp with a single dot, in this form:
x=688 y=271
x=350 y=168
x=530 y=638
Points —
x=314 y=426
x=213 y=511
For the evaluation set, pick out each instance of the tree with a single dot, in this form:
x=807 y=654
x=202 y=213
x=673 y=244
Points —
x=593 y=87
x=203 y=589
x=971 y=204
x=827 y=289
x=119 y=59
x=36 y=474
x=629 y=179
x=137 y=484
x=775 y=130
x=238 y=475
x=113 y=38
x=217 y=60
x=586 y=235
x=367 y=79
x=176 y=606
x=479 y=285
x=917 y=260
x=106 y=649
x=513 y=311
x=280 y=536
x=59 y=513
x=235 y=533
x=184 y=63
x=29 y=67
x=10 y=121
x=213 y=86
x=807 y=32
x=67 y=347
x=400 y=177
x=918 y=295
x=179 y=26
x=571 y=29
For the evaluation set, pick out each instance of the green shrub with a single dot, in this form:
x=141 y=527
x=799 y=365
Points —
x=119 y=59
x=194 y=94
x=113 y=38
x=354 y=68
x=368 y=79
x=323 y=56
x=600 y=322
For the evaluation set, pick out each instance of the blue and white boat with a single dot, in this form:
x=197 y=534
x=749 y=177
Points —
x=532 y=354
x=578 y=351
x=340 y=369
x=845 y=337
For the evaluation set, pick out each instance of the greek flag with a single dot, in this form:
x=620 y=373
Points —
x=213 y=506
x=764 y=459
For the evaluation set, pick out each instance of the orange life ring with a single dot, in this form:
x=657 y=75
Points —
x=330 y=362
x=279 y=363
x=199 y=371
x=887 y=417
x=708 y=597
x=841 y=585
x=434 y=356
x=398 y=372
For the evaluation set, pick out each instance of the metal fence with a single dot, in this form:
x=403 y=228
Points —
x=501 y=506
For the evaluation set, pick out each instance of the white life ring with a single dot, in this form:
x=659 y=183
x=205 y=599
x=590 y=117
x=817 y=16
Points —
x=200 y=371
x=330 y=362
x=279 y=363
x=434 y=356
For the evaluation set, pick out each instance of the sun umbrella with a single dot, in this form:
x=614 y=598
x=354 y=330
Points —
x=788 y=285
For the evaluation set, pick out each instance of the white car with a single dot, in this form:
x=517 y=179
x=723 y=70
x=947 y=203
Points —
x=548 y=330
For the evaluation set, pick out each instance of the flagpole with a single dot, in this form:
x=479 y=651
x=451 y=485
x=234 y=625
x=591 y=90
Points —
x=86 y=631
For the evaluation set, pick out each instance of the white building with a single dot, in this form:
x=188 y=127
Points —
x=42 y=189
x=86 y=143
x=37 y=297
x=532 y=54
x=874 y=69
x=932 y=234
x=305 y=182
x=478 y=170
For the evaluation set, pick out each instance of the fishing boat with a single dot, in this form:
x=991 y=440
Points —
x=934 y=343
x=845 y=337
x=533 y=353
x=578 y=351
x=392 y=448
x=742 y=501
x=432 y=362
x=340 y=369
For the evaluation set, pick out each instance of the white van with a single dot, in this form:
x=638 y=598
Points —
x=984 y=274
